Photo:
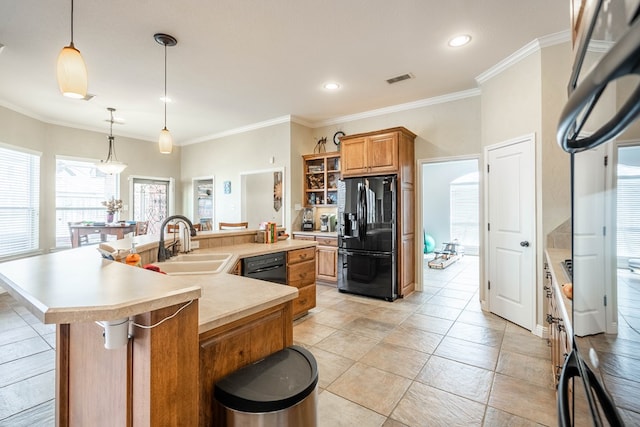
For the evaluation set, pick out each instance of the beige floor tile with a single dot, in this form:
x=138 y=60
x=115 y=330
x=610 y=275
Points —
x=311 y=332
x=413 y=338
x=334 y=318
x=495 y=417
x=330 y=366
x=348 y=345
x=630 y=418
x=335 y=411
x=428 y=323
x=625 y=393
x=369 y=328
x=476 y=334
x=478 y=355
x=448 y=302
x=457 y=378
x=524 y=399
x=483 y=318
x=427 y=406
x=456 y=293
x=370 y=387
x=353 y=307
x=528 y=344
x=393 y=423
x=395 y=359
x=389 y=315
x=528 y=368
x=441 y=311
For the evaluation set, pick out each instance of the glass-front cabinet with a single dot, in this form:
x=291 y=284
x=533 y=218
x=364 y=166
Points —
x=321 y=175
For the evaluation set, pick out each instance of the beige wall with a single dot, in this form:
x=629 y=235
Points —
x=226 y=158
x=142 y=157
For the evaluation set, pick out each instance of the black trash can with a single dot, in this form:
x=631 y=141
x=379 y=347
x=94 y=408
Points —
x=279 y=390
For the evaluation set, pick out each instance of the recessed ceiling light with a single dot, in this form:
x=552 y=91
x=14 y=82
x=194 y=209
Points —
x=460 y=40
x=331 y=86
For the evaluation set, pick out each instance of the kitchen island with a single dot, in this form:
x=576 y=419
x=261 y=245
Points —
x=204 y=326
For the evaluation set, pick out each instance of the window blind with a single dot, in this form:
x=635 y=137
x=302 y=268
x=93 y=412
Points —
x=628 y=216
x=19 y=202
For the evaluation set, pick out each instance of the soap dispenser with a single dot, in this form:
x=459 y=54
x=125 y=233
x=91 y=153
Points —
x=133 y=257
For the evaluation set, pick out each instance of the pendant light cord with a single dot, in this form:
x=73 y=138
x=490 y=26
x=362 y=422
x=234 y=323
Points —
x=71 y=23
x=165 y=85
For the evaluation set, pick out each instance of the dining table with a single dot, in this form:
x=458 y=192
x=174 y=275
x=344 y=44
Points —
x=119 y=230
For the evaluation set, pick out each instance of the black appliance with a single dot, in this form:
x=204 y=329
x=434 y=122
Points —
x=606 y=67
x=367 y=236
x=269 y=267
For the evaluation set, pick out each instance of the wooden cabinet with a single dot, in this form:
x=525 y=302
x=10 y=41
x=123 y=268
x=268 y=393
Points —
x=326 y=255
x=557 y=321
x=389 y=152
x=301 y=273
x=327 y=259
x=321 y=175
x=370 y=155
x=230 y=347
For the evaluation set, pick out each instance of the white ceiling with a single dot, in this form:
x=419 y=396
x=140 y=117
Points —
x=242 y=62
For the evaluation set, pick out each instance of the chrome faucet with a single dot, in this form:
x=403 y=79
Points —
x=163 y=253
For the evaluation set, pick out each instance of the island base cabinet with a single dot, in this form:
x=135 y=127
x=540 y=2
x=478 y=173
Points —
x=228 y=348
x=149 y=382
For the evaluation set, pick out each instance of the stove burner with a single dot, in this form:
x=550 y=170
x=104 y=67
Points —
x=567 y=265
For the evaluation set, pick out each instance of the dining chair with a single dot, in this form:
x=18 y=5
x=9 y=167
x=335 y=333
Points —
x=84 y=240
x=141 y=228
x=174 y=228
x=232 y=225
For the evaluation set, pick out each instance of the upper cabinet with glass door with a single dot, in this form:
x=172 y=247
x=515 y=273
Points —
x=321 y=175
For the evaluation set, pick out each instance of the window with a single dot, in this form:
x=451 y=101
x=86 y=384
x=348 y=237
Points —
x=151 y=201
x=628 y=213
x=19 y=202
x=465 y=222
x=80 y=190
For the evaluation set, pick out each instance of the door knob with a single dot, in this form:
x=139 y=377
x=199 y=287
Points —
x=524 y=244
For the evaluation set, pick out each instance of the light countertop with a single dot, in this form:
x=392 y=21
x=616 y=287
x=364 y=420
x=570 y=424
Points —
x=77 y=285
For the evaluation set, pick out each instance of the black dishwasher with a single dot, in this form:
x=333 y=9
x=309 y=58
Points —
x=269 y=267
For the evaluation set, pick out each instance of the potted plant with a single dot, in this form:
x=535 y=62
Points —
x=113 y=205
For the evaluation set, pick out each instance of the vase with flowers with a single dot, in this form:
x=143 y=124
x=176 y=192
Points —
x=113 y=206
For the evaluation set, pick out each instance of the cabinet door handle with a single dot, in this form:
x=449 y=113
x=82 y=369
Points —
x=524 y=244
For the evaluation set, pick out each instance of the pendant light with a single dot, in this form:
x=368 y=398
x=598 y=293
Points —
x=71 y=70
x=111 y=165
x=165 y=142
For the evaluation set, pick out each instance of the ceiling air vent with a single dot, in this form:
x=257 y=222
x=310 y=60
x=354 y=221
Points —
x=400 y=78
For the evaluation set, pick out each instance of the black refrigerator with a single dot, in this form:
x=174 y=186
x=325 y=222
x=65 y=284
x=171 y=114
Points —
x=367 y=236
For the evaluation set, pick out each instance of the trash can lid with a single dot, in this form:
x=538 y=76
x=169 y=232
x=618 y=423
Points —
x=276 y=382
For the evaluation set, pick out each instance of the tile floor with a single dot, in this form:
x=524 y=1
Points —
x=433 y=358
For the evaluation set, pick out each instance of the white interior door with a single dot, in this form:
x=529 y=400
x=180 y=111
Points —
x=511 y=230
x=589 y=272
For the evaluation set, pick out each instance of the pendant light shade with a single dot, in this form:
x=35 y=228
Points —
x=71 y=70
x=165 y=141
x=111 y=165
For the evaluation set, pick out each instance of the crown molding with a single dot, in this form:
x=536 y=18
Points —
x=522 y=53
x=242 y=129
x=400 y=107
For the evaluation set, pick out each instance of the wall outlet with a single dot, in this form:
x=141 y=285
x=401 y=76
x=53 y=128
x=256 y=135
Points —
x=195 y=244
x=297 y=207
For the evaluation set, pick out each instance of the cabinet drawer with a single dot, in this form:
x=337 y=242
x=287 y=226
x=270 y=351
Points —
x=327 y=241
x=306 y=300
x=303 y=237
x=300 y=255
x=302 y=274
